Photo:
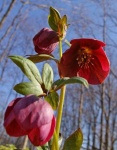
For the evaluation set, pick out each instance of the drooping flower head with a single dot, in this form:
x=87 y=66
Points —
x=85 y=58
x=30 y=116
x=45 y=41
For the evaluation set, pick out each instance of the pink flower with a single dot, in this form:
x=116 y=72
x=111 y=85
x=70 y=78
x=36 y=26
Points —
x=30 y=116
x=85 y=58
x=45 y=41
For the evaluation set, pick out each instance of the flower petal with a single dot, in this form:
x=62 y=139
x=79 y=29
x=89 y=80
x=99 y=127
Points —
x=40 y=135
x=103 y=59
x=95 y=73
x=68 y=66
x=91 y=43
x=11 y=125
x=31 y=112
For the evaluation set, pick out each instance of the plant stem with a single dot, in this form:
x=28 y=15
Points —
x=55 y=142
x=61 y=102
x=60 y=49
x=60 y=110
x=59 y=118
x=66 y=41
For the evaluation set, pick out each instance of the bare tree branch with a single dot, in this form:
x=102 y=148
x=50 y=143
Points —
x=6 y=13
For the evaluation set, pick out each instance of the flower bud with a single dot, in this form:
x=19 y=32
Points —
x=30 y=116
x=45 y=41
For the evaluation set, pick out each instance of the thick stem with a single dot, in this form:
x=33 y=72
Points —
x=55 y=142
x=59 y=118
x=60 y=110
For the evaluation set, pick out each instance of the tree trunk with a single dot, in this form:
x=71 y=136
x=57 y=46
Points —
x=102 y=113
x=80 y=106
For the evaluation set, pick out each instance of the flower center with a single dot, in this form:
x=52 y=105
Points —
x=84 y=57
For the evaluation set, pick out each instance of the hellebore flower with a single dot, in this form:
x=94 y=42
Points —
x=30 y=116
x=85 y=58
x=45 y=41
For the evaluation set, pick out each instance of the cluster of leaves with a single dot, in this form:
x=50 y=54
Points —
x=42 y=85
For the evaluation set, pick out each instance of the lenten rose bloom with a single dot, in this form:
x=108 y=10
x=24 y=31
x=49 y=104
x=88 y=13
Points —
x=85 y=58
x=30 y=116
x=45 y=41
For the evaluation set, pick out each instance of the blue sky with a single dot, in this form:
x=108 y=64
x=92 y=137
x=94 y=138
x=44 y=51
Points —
x=84 y=16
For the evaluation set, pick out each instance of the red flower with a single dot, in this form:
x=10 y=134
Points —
x=30 y=116
x=85 y=58
x=45 y=41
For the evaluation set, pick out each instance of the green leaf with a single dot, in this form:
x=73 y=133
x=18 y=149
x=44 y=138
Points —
x=42 y=57
x=39 y=148
x=53 y=18
x=64 y=19
x=28 y=68
x=45 y=147
x=74 y=141
x=59 y=83
x=8 y=147
x=26 y=88
x=47 y=76
x=62 y=27
x=53 y=99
